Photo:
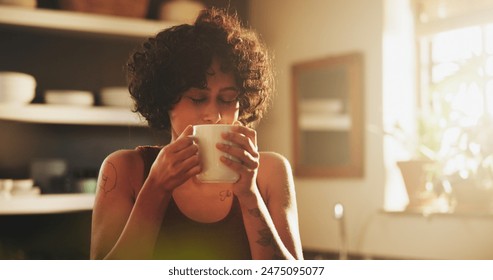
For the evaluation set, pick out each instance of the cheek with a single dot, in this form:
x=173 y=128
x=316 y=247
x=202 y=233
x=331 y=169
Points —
x=180 y=110
x=231 y=110
x=171 y=115
x=175 y=117
x=183 y=115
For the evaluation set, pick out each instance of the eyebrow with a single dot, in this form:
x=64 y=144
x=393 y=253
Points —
x=229 y=88
x=224 y=89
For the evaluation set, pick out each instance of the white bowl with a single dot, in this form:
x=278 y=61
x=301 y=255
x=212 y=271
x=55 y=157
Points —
x=116 y=96
x=22 y=184
x=180 y=11
x=20 y=3
x=17 y=88
x=6 y=185
x=34 y=191
x=69 y=97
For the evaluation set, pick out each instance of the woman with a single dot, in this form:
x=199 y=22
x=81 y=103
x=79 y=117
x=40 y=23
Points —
x=149 y=205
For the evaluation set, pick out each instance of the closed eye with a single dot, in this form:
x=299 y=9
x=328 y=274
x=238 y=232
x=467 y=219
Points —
x=229 y=96
x=197 y=100
x=228 y=101
x=197 y=96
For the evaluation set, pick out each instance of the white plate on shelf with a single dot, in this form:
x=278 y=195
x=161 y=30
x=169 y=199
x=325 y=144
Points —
x=180 y=11
x=19 y=3
x=22 y=184
x=69 y=97
x=116 y=97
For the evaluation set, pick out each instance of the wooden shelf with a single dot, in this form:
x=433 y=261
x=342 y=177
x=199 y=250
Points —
x=324 y=122
x=78 y=115
x=56 y=20
x=46 y=204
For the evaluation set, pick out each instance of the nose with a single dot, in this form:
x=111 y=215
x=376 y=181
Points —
x=212 y=114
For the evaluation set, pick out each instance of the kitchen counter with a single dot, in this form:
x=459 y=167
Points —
x=46 y=204
x=440 y=236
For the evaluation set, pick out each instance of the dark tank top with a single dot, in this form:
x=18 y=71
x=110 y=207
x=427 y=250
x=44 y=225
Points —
x=181 y=238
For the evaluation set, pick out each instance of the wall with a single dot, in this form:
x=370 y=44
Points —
x=65 y=61
x=302 y=30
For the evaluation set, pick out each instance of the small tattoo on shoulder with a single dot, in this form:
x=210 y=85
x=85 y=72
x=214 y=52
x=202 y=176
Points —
x=110 y=172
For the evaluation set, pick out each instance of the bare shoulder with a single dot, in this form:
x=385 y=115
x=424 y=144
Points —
x=124 y=161
x=274 y=160
x=124 y=158
x=276 y=184
x=117 y=188
x=122 y=170
x=275 y=175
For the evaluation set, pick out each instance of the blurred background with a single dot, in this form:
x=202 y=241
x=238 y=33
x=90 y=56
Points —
x=421 y=98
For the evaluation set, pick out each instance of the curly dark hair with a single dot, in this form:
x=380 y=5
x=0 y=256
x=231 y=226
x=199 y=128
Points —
x=178 y=58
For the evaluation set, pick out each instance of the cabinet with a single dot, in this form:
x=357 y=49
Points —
x=68 y=50
x=58 y=48
x=328 y=116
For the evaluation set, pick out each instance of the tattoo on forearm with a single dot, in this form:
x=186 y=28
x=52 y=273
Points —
x=256 y=213
x=266 y=237
x=224 y=194
x=105 y=184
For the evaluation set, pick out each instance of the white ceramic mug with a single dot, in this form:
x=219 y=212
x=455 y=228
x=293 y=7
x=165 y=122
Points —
x=213 y=170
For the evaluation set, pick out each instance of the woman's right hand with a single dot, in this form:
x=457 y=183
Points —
x=176 y=162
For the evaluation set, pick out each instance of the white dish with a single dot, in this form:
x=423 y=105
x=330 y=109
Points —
x=69 y=97
x=180 y=11
x=16 y=88
x=35 y=191
x=20 y=3
x=116 y=96
x=6 y=188
x=6 y=185
x=22 y=184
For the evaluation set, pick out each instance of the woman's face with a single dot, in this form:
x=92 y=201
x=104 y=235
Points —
x=216 y=104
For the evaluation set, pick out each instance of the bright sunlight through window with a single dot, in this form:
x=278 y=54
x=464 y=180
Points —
x=456 y=108
x=443 y=124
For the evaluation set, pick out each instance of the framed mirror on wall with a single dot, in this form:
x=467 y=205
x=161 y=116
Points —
x=328 y=117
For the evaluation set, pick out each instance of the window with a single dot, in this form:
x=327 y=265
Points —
x=458 y=65
x=453 y=101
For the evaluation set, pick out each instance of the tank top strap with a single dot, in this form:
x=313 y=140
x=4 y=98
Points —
x=148 y=154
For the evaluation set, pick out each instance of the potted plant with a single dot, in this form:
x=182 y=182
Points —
x=423 y=168
x=453 y=148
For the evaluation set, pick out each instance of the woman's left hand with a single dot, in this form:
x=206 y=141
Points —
x=245 y=151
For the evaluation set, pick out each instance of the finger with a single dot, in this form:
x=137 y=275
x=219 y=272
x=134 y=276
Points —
x=248 y=132
x=179 y=145
x=188 y=131
x=190 y=165
x=193 y=171
x=239 y=166
x=241 y=140
x=247 y=159
x=183 y=141
x=187 y=152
